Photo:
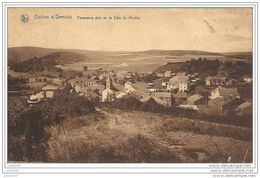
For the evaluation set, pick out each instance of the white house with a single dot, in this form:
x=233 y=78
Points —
x=215 y=81
x=49 y=90
x=128 y=87
x=179 y=82
x=167 y=73
x=247 y=79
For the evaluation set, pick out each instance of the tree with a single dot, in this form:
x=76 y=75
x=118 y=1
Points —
x=85 y=68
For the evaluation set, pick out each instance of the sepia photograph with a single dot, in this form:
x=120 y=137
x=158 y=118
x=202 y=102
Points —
x=130 y=85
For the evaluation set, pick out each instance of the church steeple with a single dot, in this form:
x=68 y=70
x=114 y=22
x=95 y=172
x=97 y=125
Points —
x=109 y=82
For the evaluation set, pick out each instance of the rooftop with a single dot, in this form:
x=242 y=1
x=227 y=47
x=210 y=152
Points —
x=226 y=91
x=50 y=87
x=179 y=79
x=244 y=105
x=195 y=97
x=161 y=94
x=180 y=95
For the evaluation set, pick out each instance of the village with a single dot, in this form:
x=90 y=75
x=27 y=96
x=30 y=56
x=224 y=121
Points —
x=212 y=94
x=166 y=107
x=177 y=108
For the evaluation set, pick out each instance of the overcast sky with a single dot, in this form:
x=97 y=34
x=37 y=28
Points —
x=207 y=29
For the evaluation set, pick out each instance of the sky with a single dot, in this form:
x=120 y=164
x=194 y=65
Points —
x=205 y=29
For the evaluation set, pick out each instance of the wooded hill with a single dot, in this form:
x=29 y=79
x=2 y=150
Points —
x=205 y=67
x=47 y=62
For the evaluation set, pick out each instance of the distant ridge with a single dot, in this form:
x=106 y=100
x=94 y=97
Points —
x=154 y=58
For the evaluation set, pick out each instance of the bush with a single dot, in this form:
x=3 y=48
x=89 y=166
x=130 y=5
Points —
x=140 y=149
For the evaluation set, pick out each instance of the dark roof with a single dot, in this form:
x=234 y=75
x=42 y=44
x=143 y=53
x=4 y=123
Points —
x=244 y=105
x=219 y=101
x=227 y=91
x=231 y=105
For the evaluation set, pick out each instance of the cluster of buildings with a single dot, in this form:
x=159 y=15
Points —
x=216 y=94
x=168 y=89
x=40 y=86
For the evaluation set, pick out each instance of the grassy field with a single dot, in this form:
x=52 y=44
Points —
x=137 y=137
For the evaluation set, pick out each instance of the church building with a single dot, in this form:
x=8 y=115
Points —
x=108 y=94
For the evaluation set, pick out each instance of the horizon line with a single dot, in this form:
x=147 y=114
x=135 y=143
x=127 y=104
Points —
x=251 y=51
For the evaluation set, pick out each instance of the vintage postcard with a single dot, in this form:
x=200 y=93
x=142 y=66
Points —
x=130 y=85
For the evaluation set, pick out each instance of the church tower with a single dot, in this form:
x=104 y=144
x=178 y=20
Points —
x=109 y=82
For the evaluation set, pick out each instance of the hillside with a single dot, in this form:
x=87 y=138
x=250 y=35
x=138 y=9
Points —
x=205 y=67
x=174 y=52
x=137 y=137
x=47 y=62
x=19 y=54
x=248 y=56
x=136 y=61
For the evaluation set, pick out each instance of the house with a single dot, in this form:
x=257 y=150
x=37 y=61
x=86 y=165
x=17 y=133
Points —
x=123 y=90
x=100 y=77
x=167 y=73
x=165 y=96
x=57 y=81
x=195 y=80
x=159 y=101
x=231 y=82
x=140 y=86
x=128 y=75
x=135 y=94
x=120 y=78
x=121 y=94
x=221 y=92
x=91 y=95
x=117 y=87
x=189 y=106
x=173 y=74
x=98 y=88
x=89 y=92
x=160 y=75
x=40 y=95
x=179 y=82
x=37 y=80
x=164 y=83
x=158 y=85
x=121 y=74
x=196 y=99
x=230 y=107
x=108 y=94
x=193 y=101
x=151 y=87
x=215 y=81
x=138 y=94
x=82 y=82
x=49 y=90
x=179 y=98
x=95 y=77
x=247 y=79
x=244 y=108
x=216 y=105
x=128 y=87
